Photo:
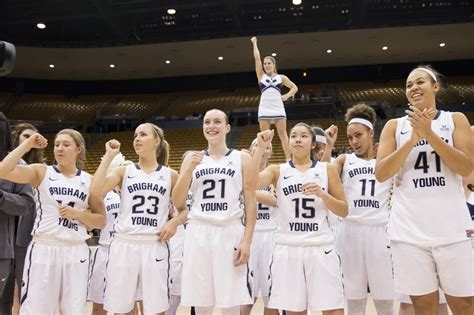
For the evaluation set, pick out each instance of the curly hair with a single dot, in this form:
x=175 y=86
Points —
x=361 y=111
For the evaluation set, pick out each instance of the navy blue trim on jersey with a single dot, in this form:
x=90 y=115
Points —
x=169 y=267
x=313 y=163
x=40 y=207
x=271 y=117
x=277 y=87
x=23 y=297
x=342 y=274
x=156 y=170
x=438 y=113
x=107 y=262
x=249 y=286
x=227 y=154
x=92 y=266
x=270 y=273
x=89 y=270
x=471 y=210
x=55 y=167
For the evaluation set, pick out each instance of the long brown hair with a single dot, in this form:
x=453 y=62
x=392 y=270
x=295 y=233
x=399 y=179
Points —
x=34 y=155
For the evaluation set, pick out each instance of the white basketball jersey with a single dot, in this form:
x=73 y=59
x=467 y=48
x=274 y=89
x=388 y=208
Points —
x=217 y=189
x=302 y=219
x=56 y=189
x=145 y=201
x=367 y=198
x=112 y=207
x=429 y=206
x=266 y=220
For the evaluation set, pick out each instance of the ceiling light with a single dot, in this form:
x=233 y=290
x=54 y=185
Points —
x=220 y=58
x=112 y=65
x=384 y=47
x=51 y=66
x=41 y=26
x=274 y=54
x=304 y=74
x=171 y=11
x=329 y=51
x=442 y=44
x=167 y=62
x=296 y=2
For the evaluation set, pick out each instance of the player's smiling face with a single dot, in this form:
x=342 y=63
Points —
x=145 y=140
x=420 y=89
x=215 y=126
x=301 y=141
x=359 y=138
x=65 y=150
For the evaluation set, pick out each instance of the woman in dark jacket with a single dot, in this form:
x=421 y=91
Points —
x=15 y=200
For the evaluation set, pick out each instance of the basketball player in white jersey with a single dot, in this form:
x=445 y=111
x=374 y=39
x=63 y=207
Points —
x=217 y=244
x=322 y=151
x=100 y=256
x=427 y=152
x=325 y=141
x=271 y=109
x=262 y=243
x=139 y=255
x=361 y=241
x=305 y=268
x=57 y=261
x=176 y=254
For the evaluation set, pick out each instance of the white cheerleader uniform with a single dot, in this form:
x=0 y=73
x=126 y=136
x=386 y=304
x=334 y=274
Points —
x=271 y=105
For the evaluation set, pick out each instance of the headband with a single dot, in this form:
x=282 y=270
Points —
x=431 y=73
x=321 y=139
x=362 y=121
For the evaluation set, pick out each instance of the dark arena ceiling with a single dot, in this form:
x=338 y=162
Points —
x=105 y=23
x=138 y=39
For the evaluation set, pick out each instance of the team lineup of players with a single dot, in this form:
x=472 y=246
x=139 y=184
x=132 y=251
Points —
x=305 y=234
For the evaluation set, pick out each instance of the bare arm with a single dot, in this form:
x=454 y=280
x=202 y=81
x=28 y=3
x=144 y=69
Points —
x=266 y=198
x=293 y=88
x=93 y=219
x=334 y=198
x=96 y=218
x=243 y=251
x=171 y=226
x=101 y=183
x=258 y=60
x=339 y=163
x=456 y=157
x=183 y=182
x=30 y=174
x=331 y=137
x=389 y=158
